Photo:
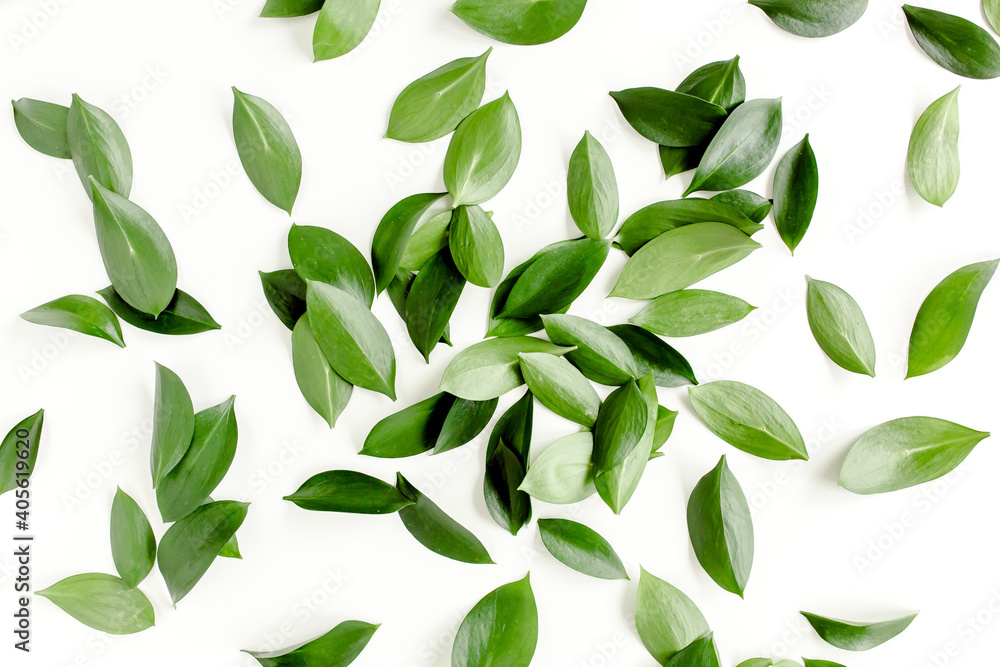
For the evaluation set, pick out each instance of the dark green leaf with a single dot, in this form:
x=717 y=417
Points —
x=620 y=425
x=267 y=149
x=702 y=652
x=78 y=313
x=337 y=648
x=483 y=153
x=102 y=602
x=669 y=118
x=348 y=491
x=399 y=292
x=434 y=105
x=173 y=424
x=136 y=252
x=617 y=484
x=411 y=431
x=721 y=529
x=42 y=125
x=352 y=339
x=652 y=355
x=656 y=219
x=680 y=258
x=325 y=256
x=592 y=189
x=678 y=160
x=189 y=547
x=563 y=473
x=600 y=354
x=133 y=546
x=555 y=278
x=820 y=663
x=665 y=419
x=839 y=327
x=691 y=312
x=464 y=421
x=437 y=531
x=182 y=316
x=750 y=204
x=492 y=368
x=813 y=18
x=932 y=158
x=325 y=391
x=476 y=246
x=342 y=25
x=507 y=327
x=290 y=8
x=857 y=636
x=560 y=387
x=99 y=148
x=720 y=83
x=285 y=292
x=502 y=629
x=748 y=419
x=18 y=452
x=433 y=296
x=203 y=465
x=581 y=548
x=667 y=620
x=742 y=148
x=796 y=188
x=393 y=235
x=945 y=318
x=906 y=452
x=525 y=22
x=506 y=469
x=954 y=43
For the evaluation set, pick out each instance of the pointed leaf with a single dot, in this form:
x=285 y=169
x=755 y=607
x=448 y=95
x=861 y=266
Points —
x=650 y=222
x=492 y=368
x=958 y=45
x=483 y=152
x=436 y=530
x=42 y=125
x=285 y=292
x=851 y=636
x=476 y=246
x=433 y=296
x=796 y=188
x=563 y=473
x=932 y=158
x=267 y=149
x=18 y=452
x=427 y=240
x=581 y=548
x=393 y=235
x=342 y=25
x=555 y=278
x=99 y=148
x=78 y=313
x=325 y=391
x=691 y=312
x=667 y=620
x=337 y=648
x=102 y=602
x=750 y=204
x=592 y=188
x=348 y=491
x=290 y=8
x=133 y=545
x=620 y=426
x=669 y=118
x=325 y=256
x=813 y=18
x=617 y=484
x=560 y=387
x=702 y=652
x=464 y=421
x=720 y=83
x=506 y=465
x=525 y=22
x=653 y=356
x=601 y=355
x=173 y=424
x=411 y=431
x=840 y=328
x=502 y=629
x=183 y=316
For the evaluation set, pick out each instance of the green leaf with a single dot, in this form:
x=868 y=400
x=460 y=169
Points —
x=954 y=43
x=203 y=465
x=399 y=292
x=796 y=188
x=581 y=548
x=290 y=8
x=665 y=419
x=42 y=125
x=352 y=339
x=426 y=241
x=433 y=296
x=668 y=366
x=99 y=148
x=483 y=152
x=267 y=148
x=669 y=118
x=750 y=204
x=563 y=473
x=813 y=18
x=231 y=550
x=721 y=529
x=325 y=256
x=325 y=391
x=932 y=158
x=555 y=278
x=617 y=484
x=702 y=652
x=464 y=421
x=133 y=546
x=491 y=368
x=476 y=246
x=136 y=252
x=840 y=328
x=748 y=419
x=102 y=602
x=742 y=148
x=945 y=318
x=906 y=452
x=991 y=9
x=189 y=547
x=173 y=424
x=680 y=258
x=524 y=22
x=78 y=313
x=502 y=629
x=342 y=25
x=506 y=327
x=720 y=83
x=851 y=636
x=656 y=219
x=337 y=648
x=667 y=620
x=691 y=312
x=757 y=662
x=678 y=160
x=820 y=663
x=393 y=233
x=506 y=466
x=560 y=387
x=436 y=530
x=411 y=431
x=18 y=452
x=620 y=425
x=285 y=292
x=183 y=315
x=348 y=491
x=600 y=354
x=434 y=105
x=592 y=188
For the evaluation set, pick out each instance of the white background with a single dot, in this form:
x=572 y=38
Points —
x=819 y=548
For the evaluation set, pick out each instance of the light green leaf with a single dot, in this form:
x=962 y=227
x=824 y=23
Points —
x=42 y=125
x=581 y=548
x=267 y=149
x=796 y=188
x=337 y=648
x=650 y=222
x=102 y=602
x=325 y=391
x=436 y=530
x=483 y=153
x=491 y=368
x=342 y=25
x=427 y=240
x=16 y=467
x=173 y=424
x=133 y=546
x=99 y=148
x=560 y=387
x=563 y=473
x=839 y=327
x=476 y=246
x=393 y=235
x=932 y=158
x=702 y=652
x=525 y=22
x=324 y=255
x=78 y=313
x=851 y=636
x=813 y=18
x=502 y=629
x=991 y=9
x=290 y=8
x=958 y=45
x=592 y=188
x=691 y=312
x=667 y=620
x=720 y=83
x=906 y=452
x=600 y=354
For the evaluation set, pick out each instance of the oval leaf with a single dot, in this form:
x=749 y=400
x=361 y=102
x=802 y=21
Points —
x=464 y=421
x=592 y=188
x=133 y=546
x=342 y=25
x=267 y=148
x=506 y=465
x=173 y=424
x=476 y=246
x=691 y=312
x=78 y=313
x=411 y=431
x=183 y=316
x=750 y=204
x=99 y=148
x=102 y=602
x=436 y=530
x=720 y=83
x=840 y=328
x=748 y=419
x=434 y=105
x=600 y=355
x=668 y=367
x=42 y=125
x=669 y=118
x=290 y=8
x=563 y=473
x=906 y=452
x=427 y=240
x=483 y=153
x=620 y=425
x=15 y=467
x=348 y=491
x=945 y=318
x=667 y=620
x=325 y=391
x=650 y=222
x=491 y=368
x=433 y=296
x=851 y=636
x=555 y=278
x=285 y=292
x=796 y=188
x=392 y=236
x=813 y=18
x=323 y=255
x=954 y=43
x=337 y=648
x=581 y=548
x=932 y=158
x=525 y=22
x=502 y=629
x=560 y=387
x=617 y=484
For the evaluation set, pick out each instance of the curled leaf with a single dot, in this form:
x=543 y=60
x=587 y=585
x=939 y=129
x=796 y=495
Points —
x=80 y=313
x=102 y=602
x=337 y=648
x=851 y=636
